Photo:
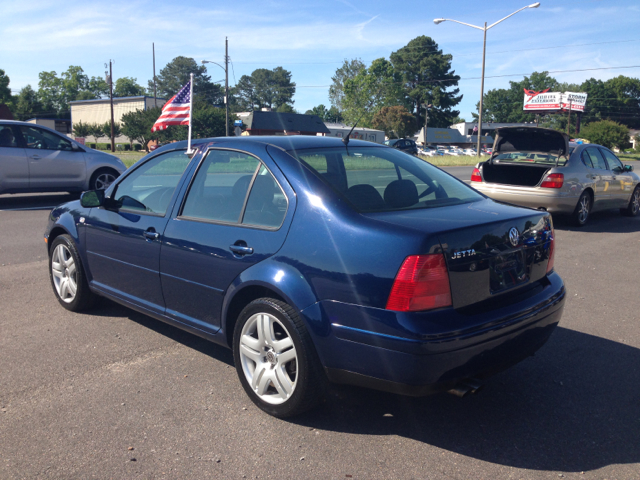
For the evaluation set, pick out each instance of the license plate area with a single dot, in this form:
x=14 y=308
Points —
x=508 y=270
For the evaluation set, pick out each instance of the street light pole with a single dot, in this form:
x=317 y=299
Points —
x=226 y=83
x=484 y=51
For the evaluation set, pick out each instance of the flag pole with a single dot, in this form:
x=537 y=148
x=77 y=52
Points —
x=190 y=114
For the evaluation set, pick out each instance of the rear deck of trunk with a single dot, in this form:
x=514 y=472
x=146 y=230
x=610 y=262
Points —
x=510 y=174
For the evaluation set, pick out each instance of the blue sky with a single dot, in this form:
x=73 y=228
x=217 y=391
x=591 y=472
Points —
x=312 y=38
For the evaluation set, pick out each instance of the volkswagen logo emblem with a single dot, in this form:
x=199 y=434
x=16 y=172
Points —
x=514 y=236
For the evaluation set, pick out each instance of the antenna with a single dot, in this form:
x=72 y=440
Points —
x=345 y=140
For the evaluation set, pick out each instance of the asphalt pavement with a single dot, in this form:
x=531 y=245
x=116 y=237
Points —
x=115 y=394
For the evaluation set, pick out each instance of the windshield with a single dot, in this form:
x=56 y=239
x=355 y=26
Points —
x=376 y=179
x=529 y=157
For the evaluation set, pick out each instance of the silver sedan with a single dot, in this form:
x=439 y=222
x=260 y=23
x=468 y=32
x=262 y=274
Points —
x=34 y=158
x=537 y=168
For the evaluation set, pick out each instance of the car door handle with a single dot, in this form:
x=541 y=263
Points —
x=151 y=235
x=35 y=156
x=241 y=250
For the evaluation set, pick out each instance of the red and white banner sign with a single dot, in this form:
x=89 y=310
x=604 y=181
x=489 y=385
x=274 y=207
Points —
x=546 y=100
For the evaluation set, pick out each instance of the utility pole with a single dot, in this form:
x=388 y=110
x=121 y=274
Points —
x=484 y=53
x=226 y=85
x=155 y=93
x=426 y=121
x=113 y=144
x=569 y=121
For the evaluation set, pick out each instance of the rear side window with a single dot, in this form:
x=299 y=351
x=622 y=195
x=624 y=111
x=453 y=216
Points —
x=597 y=160
x=586 y=160
x=376 y=179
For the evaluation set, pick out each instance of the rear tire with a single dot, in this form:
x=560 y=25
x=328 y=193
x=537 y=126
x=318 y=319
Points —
x=581 y=213
x=67 y=276
x=633 y=208
x=276 y=361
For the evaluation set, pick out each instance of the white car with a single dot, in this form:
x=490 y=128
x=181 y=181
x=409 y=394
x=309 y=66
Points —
x=34 y=158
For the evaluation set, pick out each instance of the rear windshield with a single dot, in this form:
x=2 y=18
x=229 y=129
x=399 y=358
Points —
x=377 y=179
x=529 y=157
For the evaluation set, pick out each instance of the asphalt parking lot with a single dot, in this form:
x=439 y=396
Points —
x=115 y=394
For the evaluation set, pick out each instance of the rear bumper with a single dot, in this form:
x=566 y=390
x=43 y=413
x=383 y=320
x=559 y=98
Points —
x=552 y=200
x=413 y=363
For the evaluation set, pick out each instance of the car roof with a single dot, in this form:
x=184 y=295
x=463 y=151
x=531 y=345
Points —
x=286 y=142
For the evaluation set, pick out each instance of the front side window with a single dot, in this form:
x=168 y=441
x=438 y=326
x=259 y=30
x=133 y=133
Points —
x=149 y=188
x=42 y=139
x=612 y=160
x=7 y=138
x=383 y=179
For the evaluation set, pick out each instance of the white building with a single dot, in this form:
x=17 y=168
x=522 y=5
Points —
x=341 y=130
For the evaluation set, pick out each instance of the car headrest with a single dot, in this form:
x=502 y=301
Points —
x=365 y=197
x=401 y=194
x=241 y=186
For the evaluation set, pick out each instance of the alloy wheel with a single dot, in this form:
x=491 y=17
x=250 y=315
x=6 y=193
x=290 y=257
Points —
x=104 y=180
x=635 y=202
x=583 y=209
x=64 y=272
x=268 y=357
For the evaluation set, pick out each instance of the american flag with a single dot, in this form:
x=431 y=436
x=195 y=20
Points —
x=176 y=110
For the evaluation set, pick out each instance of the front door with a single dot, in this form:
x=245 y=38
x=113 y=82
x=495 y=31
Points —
x=622 y=182
x=232 y=218
x=14 y=169
x=53 y=164
x=601 y=176
x=123 y=244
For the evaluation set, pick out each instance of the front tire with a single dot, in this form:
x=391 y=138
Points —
x=275 y=359
x=633 y=208
x=102 y=179
x=581 y=213
x=67 y=275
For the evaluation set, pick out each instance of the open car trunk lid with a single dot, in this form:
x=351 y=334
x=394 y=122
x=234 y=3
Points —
x=530 y=139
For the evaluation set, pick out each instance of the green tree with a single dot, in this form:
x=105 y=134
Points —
x=55 y=92
x=286 y=108
x=265 y=88
x=397 y=122
x=458 y=120
x=177 y=73
x=106 y=130
x=27 y=104
x=427 y=78
x=370 y=90
x=128 y=87
x=607 y=133
x=81 y=129
x=95 y=130
x=5 y=91
x=348 y=70
x=136 y=126
x=208 y=121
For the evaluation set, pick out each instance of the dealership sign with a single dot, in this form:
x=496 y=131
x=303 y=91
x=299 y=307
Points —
x=546 y=100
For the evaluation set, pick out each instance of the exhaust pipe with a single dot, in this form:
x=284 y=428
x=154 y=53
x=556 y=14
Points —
x=466 y=387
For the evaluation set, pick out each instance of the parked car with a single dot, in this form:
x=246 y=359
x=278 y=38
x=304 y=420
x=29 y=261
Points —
x=312 y=266
x=34 y=158
x=537 y=168
x=405 y=144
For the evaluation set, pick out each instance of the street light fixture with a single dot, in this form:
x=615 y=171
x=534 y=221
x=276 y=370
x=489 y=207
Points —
x=484 y=50
x=226 y=84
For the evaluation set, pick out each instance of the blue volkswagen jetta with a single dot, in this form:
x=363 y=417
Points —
x=315 y=260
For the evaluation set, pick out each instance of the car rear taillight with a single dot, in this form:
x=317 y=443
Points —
x=475 y=175
x=553 y=180
x=552 y=251
x=422 y=283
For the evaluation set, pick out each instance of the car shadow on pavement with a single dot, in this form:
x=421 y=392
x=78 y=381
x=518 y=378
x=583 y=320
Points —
x=35 y=202
x=607 y=221
x=573 y=407
x=107 y=308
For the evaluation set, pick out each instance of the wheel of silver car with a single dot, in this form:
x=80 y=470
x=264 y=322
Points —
x=103 y=179
x=275 y=358
x=634 y=204
x=582 y=210
x=67 y=276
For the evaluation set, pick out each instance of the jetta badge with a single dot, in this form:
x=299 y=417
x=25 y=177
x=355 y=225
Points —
x=514 y=236
x=463 y=253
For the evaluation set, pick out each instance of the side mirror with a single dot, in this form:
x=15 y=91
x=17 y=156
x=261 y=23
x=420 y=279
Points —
x=76 y=148
x=628 y=168
x=92 y=199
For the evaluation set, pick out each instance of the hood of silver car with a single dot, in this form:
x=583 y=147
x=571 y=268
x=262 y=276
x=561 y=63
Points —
x=530 y=139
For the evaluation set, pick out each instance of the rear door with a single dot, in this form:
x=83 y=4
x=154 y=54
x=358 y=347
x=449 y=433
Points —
x=14 y=169
x=123 y=245
x=234 y=215
x=53 y=164
x=601 y=176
